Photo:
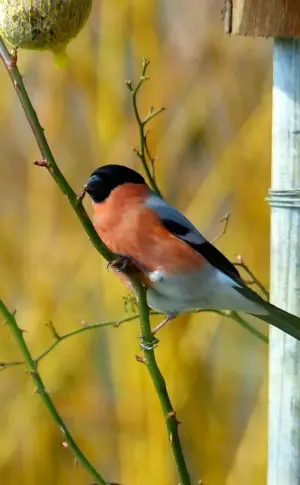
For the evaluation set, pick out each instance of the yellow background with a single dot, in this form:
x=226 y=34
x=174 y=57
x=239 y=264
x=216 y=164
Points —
x=213 y=144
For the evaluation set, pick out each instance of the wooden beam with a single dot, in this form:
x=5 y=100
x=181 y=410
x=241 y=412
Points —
x=264 y=18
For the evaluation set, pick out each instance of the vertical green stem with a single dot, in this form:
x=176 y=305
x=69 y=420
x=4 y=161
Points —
x=161 y=389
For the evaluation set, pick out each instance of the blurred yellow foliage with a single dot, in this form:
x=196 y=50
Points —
x=214 y=156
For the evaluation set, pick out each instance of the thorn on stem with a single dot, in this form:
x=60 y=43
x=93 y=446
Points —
x=140 y=359
x=13 y=313
x=36 y=391
x=172 y=414
x=40 y=163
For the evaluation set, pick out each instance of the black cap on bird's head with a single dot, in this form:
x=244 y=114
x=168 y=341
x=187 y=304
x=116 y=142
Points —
x=104 y=179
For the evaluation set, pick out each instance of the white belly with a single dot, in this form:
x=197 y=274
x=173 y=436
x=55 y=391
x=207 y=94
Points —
x=207 y=289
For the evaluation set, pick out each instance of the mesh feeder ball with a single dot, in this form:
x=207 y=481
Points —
x=42 y=24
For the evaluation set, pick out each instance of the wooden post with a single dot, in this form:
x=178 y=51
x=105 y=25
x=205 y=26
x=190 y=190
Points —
x=284 y=352
x=281 y=20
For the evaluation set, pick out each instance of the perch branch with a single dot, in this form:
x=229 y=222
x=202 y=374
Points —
x=160 y=386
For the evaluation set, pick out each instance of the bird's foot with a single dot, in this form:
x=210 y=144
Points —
x=163 y=323
x=122 y=262
x=148 y=345
x=119 y=264
x=151 y=345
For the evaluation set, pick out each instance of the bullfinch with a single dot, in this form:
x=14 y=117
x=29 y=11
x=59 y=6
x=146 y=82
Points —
x=181 y=269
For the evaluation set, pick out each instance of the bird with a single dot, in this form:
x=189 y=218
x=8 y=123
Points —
x=165 y=252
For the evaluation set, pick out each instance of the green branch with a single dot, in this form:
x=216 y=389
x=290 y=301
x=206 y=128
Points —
x=160 y=386
x=40 y=388
x=143 y=151
x=116 y=323
x=243 y=323
x=253 y=280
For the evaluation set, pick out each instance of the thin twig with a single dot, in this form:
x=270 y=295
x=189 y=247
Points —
x=85 y=328
x=242 y=322
x=32 y=370
x=95 y=326
x=161 y=390
x=241 y=264
x=224 y=219
x=151 y=158
x=142 y=152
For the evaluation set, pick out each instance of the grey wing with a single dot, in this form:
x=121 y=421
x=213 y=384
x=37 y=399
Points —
x=174 y=221
x=181 y=227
